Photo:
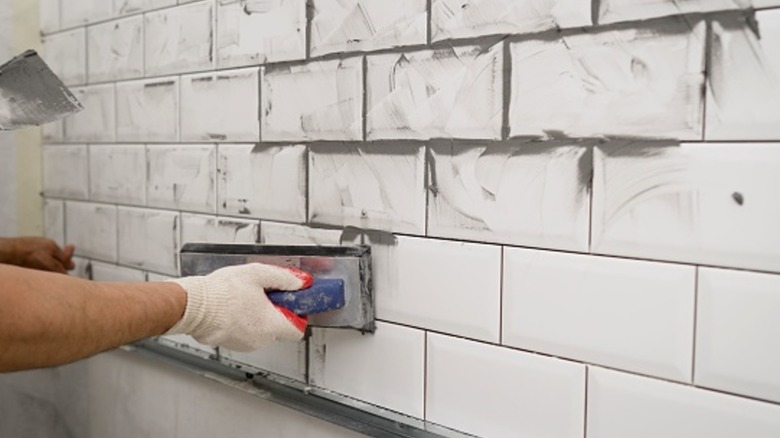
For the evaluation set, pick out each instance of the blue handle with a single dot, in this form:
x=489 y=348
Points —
x=325 y=294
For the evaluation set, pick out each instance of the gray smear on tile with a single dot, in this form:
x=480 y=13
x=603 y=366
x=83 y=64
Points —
x=25 y=415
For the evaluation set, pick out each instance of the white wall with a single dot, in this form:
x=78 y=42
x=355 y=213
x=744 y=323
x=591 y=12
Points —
x=7 y=149
x=557 y=217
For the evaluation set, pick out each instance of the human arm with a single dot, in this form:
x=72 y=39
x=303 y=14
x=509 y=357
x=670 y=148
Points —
x=36 y=253
x=48 y=319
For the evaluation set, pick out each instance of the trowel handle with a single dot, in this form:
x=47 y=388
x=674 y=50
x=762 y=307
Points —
x=323 y=295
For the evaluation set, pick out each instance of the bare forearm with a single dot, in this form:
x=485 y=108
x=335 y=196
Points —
x=48 y=319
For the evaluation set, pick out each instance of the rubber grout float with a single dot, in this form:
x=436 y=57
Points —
x=341 y=295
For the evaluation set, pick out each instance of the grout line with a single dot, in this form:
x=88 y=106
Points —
x=506 y=84
x=425 y=376
x=585 y=416
x=708 y=36
x=428 y=22
x=695 y=324
x=501 y=292
x=364 y=109
x=591 y=189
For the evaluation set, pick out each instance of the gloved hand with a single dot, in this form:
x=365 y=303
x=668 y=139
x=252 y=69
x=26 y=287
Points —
x=229 y=307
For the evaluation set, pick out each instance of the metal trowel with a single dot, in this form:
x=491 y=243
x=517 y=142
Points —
x=31 y=94
x=341 y=295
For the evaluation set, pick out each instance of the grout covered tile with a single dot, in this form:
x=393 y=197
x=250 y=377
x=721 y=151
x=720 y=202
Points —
x=123 y=7
x=201 y=228
x=274 y=233
x=65 y=171
x=267 y=182
x=148 y=110
x=149 y=239
x=54 y=220
x=613 y=11
x=66 y=54
x=182 y=177
x=97 y=121
x=108 y=272
x=626 y=314
x=179 y=39
x=116 y=50
x=92 y=228
x=117 y=173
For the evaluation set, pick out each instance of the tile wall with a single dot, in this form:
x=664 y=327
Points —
x=573 y=207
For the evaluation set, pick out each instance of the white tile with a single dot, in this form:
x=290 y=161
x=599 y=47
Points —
x=389 y=372
x=622 y=405
x=272 y=233
x=377 y=186
x=54 y=220
x=354 y=25
x=266 y=182
x=148 y=110
x=149 y=239
x=260 y=32
x=466 y=18
x=66 y=54
x=83 y=268
x=53 y=132
x=122 y=7
x=97 y=121
x=451 y=92
x=494 y=391
x=78 y=13
x=698 y=203
x=533 y=194
x=626 y=314
x=179 y=39
x=765 y=3
x=116 y=50
x=182 y=177
x=450 y=287
x=65 y=171
x=107 y=272
x=117 y=173
x=320 y=100
x=220 y=107
x=743 y=92
x=201 y=228
x=738 y=333
x=613 y=11
x=49 y=15
x=650 y=87
x=92 y=228
x=284 y=358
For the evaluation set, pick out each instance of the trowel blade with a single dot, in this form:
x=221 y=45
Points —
x=352 y=264
x=31 y=94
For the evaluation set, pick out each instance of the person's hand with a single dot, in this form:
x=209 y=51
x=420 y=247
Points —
x=37 y=253
x=229 y=307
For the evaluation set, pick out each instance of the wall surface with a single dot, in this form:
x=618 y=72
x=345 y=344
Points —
x=572 y=206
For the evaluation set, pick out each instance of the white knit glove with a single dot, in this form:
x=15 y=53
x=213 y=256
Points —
x=229 y=307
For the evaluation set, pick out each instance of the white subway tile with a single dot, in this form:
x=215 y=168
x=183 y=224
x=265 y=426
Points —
x=54 y=220
x=743 y=93
x=65 y=171
x=220 y=107
x=621 y=405
x=378 y=186
x=738 y=333
x=108 y=272
x=534 y=194
x=613 y=11
x=122 y=7
x=284 y=358
x=97 y=121
x=66 y=54
x=765 y=3
x=450 y=92
x=266 y=182
x=698 y=203
x=260 y=32
x=354 y=25
x=78 y=13
x=466 y=18
x=49 y=15
x=179 y=39
x=650 y=87
x=450 y=287
x=200 y=228
x=117 y=173
x=390 y=372
x=321 y=100
x=182 y=177
x=53 y=132
x=148 y=110
x=625 y=314
x=92 y=228
x=149 y=239
x=116 y=50
x=83 y=268
x=494 y=391
x=272 y=233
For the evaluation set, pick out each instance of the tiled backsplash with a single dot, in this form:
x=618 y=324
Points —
x=572 y=206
